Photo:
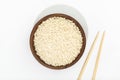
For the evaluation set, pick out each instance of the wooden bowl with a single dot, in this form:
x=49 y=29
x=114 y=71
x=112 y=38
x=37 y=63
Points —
x=32 y=42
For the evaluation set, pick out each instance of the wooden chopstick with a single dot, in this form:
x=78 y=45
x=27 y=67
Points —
x=88 y=56
x=98 y=57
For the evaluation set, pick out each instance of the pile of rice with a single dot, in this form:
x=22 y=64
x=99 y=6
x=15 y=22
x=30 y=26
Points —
x=57 y=41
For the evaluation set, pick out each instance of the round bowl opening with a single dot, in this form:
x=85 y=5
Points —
x=33 y=47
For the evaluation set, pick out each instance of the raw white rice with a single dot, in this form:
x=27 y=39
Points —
x=57 y=41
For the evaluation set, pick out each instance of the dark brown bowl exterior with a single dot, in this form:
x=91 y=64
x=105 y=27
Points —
x=32 y=42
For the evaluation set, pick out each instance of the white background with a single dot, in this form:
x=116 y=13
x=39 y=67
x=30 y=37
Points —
x=16 y=22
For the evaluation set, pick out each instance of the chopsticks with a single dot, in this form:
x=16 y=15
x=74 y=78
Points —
x=98 y=57
x=88 y=57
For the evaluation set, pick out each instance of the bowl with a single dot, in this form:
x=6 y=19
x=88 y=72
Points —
x=66 y=17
